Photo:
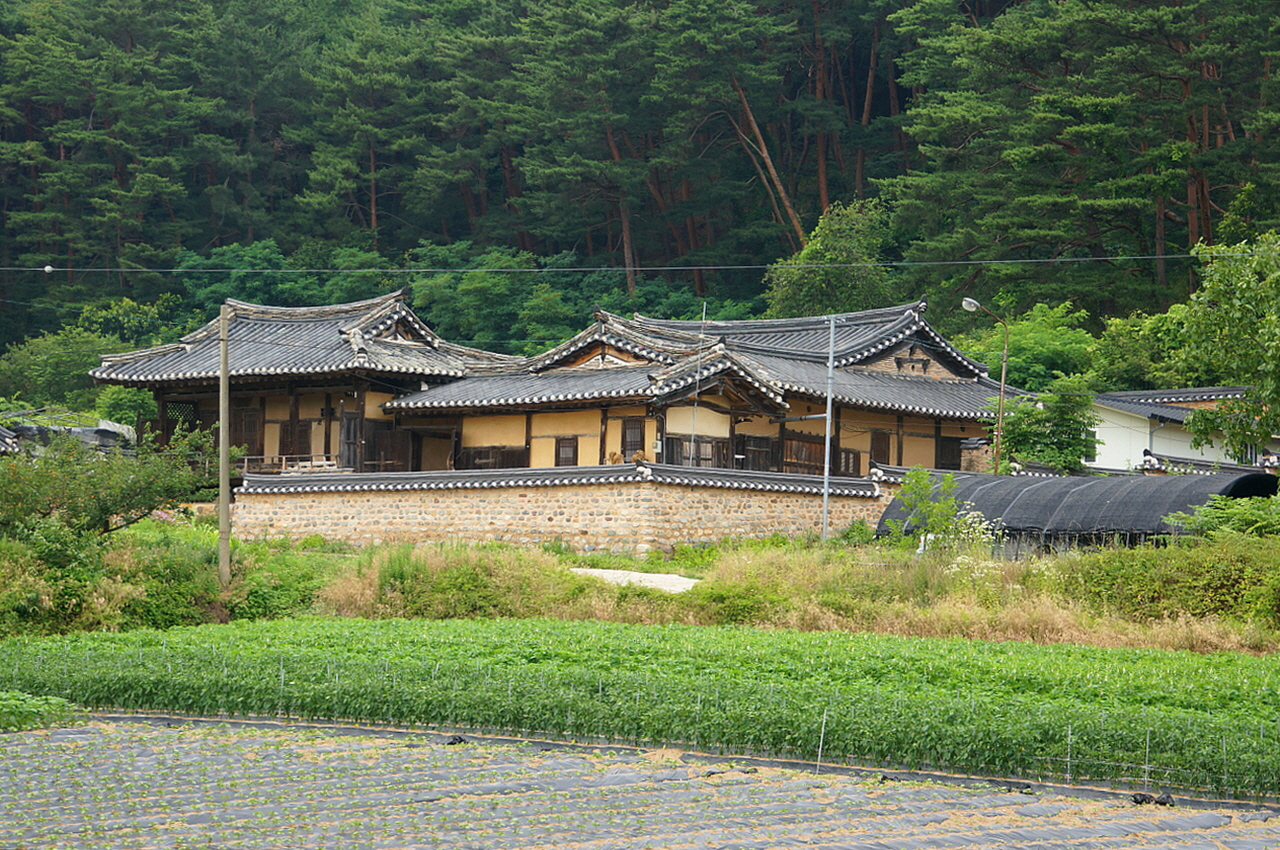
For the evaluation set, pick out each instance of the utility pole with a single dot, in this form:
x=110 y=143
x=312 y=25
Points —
x=224 y=449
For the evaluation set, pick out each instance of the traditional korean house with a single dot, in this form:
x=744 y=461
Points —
x=736 y=394
x=307 y=383
x=368 y=387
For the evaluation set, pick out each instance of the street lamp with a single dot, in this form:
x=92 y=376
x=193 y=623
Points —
x=973 y=306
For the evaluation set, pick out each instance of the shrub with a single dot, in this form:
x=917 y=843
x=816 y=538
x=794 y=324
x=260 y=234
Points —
x=729 y=603
x=442 y=582
x=1229 y=575
x=20 y=711
x=1259 y=515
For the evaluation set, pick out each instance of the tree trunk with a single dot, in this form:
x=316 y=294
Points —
x=860 y=169
x=768 y=161
x=624 y=217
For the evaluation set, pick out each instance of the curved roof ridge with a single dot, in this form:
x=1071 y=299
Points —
x=325 y=311
x=799 y=322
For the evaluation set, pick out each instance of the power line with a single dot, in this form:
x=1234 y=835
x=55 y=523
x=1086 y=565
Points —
x=623 y=269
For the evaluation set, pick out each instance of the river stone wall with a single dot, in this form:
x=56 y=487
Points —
x=632 y=517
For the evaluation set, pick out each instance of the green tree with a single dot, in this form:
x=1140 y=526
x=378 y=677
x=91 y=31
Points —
x=92 y=492
x=1143 y=352
x=53 y=369
x=1053 y=428
x=838 y=271
x=368 y=127
x=139 y=324
x=1084 y=131
x=1232 y=322
x=1045 y=343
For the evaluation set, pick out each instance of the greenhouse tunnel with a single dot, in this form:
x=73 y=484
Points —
x=1043 y=512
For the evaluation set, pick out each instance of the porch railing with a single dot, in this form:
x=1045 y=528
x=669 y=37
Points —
x=290 y=464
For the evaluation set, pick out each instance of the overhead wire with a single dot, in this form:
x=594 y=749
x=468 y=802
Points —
x=594 y=269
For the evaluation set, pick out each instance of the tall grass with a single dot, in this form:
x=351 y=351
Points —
x=1213 y=595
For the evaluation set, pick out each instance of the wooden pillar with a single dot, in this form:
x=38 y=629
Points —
x=900 y=437
x=528 y=439
x=328 y=426
x=293 y=418
x=362 y=387
x=162 y=415
x=604 y=432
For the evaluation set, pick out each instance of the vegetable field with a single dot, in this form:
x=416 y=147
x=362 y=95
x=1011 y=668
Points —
x=1203 y=723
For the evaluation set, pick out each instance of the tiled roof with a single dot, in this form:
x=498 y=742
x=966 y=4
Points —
x=495 y=389
x=378 y=335
x=958 y=399
x=522 y=388
x=733 y=479
x=858 y=335
x=773 y=356
x=1184 y=396
x=1148 y=409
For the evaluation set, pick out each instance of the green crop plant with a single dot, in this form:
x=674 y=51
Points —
x=23 y=711
x=1207 y=722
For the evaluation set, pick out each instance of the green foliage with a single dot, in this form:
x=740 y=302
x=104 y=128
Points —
x=1009 y=708
x=1229 y=575
x=1144 y=352
x=20 y=711
x=1230 y=323
x=136 y=324
x=462 y=586
x=858 y=532
x=725 y=603
x=1052 y=428
x=126 y=405
x=1258 y=516
x=1074 y=149
x=837 y=271
x=53 y=369
x=936 y=516
x=1044 y=344
x=89 y=492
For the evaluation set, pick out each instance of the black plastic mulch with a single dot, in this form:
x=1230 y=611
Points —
x=156 y=783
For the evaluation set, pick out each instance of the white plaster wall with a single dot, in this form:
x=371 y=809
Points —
x=1124 y=435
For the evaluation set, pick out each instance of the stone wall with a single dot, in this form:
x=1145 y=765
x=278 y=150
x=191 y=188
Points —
x=632 y=516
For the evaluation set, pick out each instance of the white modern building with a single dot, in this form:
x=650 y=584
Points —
x=1152 y=421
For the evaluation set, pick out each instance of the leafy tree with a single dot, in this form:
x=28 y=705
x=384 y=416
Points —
x=1054 y=428
x=1045 y=343
x=139 y=324
x=1232 y=323
x=1144 y=352
x=53 y=368
x=126 y=405
x=367 y=130
x=837 y=271
x=61 y=502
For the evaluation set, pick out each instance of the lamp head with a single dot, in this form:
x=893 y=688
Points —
x=970 y=304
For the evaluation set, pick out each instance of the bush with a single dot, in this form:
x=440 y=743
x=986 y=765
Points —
x=1259 y=515
x=20 y=711
x=726 y=603
x=428 y=583
x=1229 y=575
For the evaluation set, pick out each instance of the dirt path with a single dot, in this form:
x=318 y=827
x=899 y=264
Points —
x=125 y=785
x=662 y=581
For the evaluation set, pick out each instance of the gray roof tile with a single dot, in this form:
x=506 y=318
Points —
x=377 y=335
x=958 y=399
x=734 y=479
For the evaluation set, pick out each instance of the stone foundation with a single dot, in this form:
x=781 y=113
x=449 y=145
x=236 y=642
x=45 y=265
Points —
x=625 y=517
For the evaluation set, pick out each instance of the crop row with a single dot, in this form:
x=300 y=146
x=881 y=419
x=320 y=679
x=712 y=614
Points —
x=1173 y=720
